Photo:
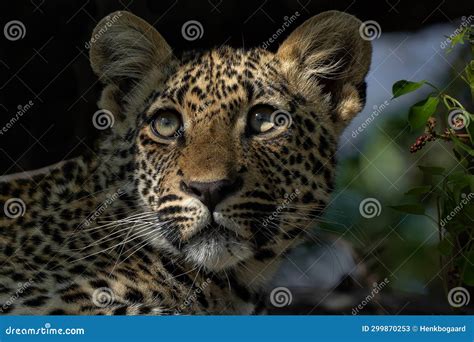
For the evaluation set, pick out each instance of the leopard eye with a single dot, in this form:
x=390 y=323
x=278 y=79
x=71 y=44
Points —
x=260 y=119
x=166 y=124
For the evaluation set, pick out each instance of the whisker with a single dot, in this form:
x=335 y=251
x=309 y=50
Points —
x=135 y=236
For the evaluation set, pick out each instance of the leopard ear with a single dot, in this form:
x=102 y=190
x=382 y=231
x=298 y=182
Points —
x=327 y=51
x=125 y=47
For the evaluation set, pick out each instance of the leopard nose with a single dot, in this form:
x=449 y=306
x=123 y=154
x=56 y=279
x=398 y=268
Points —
x=212 y=193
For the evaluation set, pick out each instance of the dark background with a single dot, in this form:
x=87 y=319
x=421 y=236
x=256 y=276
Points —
x=50 y=66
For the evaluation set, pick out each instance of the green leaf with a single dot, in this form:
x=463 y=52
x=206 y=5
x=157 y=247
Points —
x=432 y=170
x=471 y=182
x=462 y=145
x=415 y=209
x=458 y=177
x=468 y=276
x=458 y=39
x=470 y=126
x=419 y=190
x=458 y=156
x=403 y=87
x=445 y=246
x=421 y=111
x=469 y=74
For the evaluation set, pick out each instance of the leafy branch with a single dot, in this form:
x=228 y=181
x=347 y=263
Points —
x=445 y=118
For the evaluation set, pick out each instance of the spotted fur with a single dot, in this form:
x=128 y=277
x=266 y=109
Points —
x=114 y=231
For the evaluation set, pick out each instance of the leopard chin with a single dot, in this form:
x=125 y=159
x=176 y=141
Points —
x=216 y=248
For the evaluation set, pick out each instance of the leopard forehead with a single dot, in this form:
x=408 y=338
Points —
x=217 y=82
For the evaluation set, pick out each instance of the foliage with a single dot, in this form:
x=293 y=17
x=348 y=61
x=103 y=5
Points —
x=446 y=119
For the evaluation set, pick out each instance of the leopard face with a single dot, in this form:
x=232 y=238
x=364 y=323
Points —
x=234 y=149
